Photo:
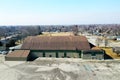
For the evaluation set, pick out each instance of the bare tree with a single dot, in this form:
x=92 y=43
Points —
x=106 y=42
x=1 y=43
x=98 y=41
x=75 y=30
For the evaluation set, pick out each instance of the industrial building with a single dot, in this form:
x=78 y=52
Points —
x=59 y=47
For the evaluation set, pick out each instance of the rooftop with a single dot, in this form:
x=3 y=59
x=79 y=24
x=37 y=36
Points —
x=56 y=43
x=18 y=54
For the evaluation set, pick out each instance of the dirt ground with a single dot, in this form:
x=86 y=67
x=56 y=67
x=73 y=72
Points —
x=60 y=69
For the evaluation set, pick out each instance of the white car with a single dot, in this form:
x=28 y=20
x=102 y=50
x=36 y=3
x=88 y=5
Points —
x=3 y=52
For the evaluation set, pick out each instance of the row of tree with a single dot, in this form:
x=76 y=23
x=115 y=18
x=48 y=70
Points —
x=24 y=31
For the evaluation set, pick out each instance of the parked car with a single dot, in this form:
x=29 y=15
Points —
x=3 y=52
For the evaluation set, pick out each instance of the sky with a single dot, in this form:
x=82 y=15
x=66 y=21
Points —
x=59 y=12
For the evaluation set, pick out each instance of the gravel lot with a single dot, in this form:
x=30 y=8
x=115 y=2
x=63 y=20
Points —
x=60 y=69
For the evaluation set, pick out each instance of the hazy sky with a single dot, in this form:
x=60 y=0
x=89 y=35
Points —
x=47 y=12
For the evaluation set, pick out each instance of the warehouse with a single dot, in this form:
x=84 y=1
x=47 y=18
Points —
x=58 y=47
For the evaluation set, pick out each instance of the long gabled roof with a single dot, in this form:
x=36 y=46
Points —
x=56 y=43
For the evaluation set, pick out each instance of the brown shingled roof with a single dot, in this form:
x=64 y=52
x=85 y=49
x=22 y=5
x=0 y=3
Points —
x=19 y=53
x=56 y=43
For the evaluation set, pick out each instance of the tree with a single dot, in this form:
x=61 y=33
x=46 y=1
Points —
x=39 y=30
x=11 y=43
x=106 y=42
x=1 y=43
x=75 y=30
x=98 y=41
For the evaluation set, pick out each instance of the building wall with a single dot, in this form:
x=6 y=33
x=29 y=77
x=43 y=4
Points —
x=57 y=54
x=91 y=54
x=61 y=54
x=72 y=55
x=87 y=56
x=99 y=56
x=50 y=54
x=38 y=54
x=16 y=58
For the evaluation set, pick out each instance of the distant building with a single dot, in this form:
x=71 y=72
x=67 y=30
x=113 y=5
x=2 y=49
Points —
x=111 y=37
x=116 y=50
x=118 y=38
